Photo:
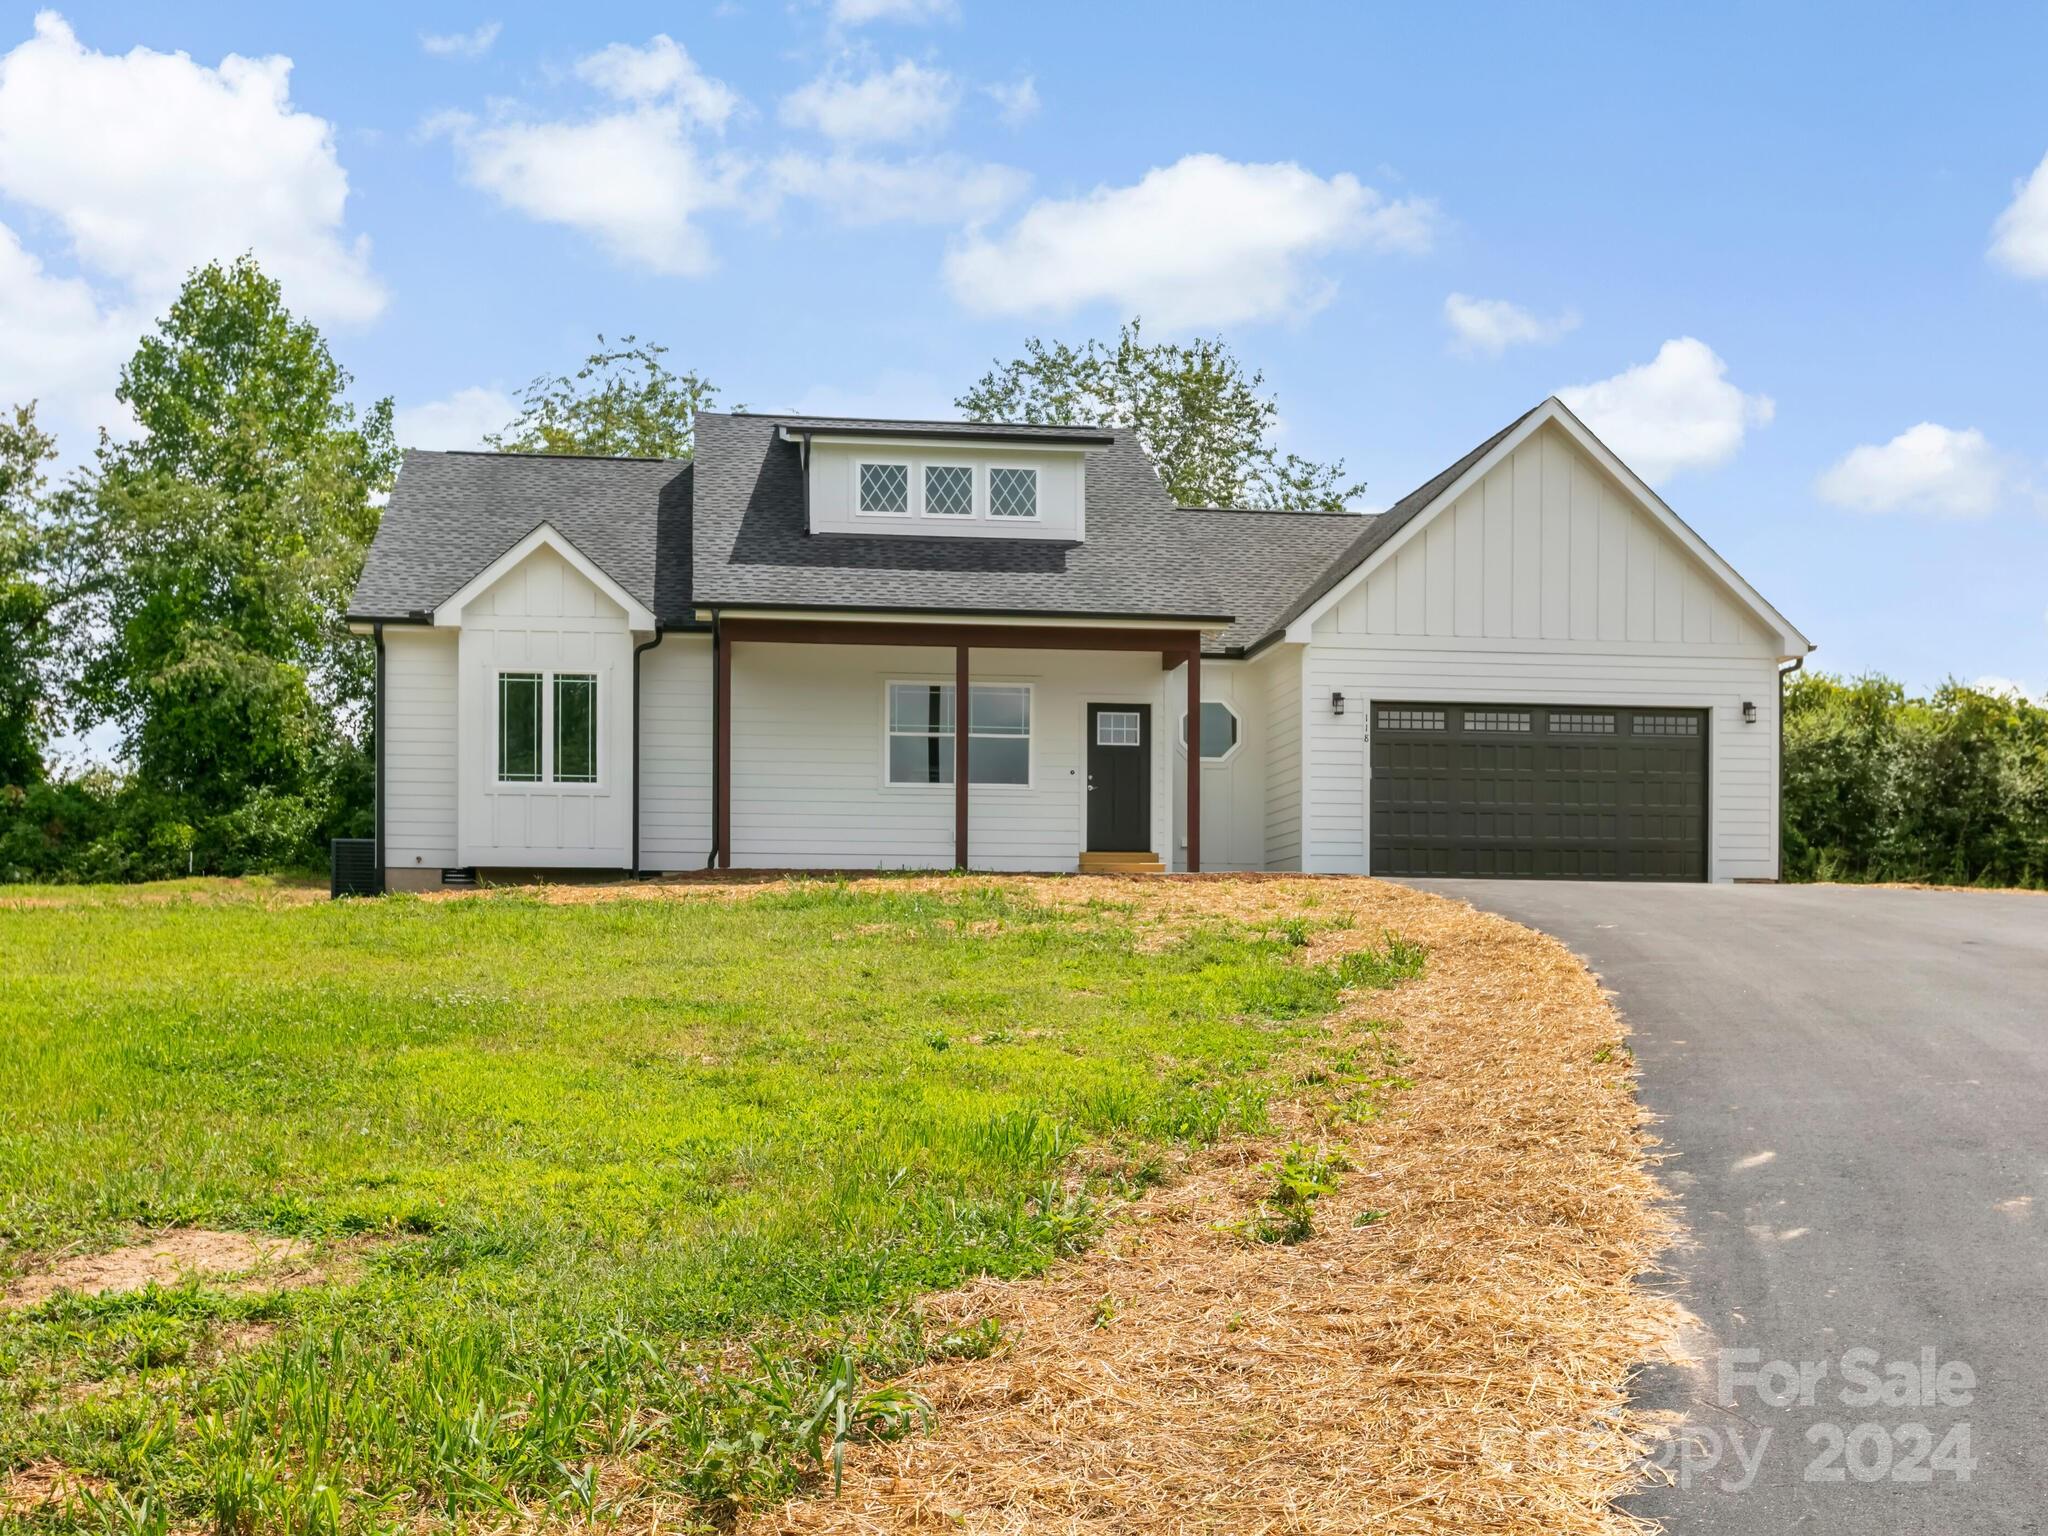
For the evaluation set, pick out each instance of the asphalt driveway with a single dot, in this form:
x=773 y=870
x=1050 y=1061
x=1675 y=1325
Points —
x=1852 y=1085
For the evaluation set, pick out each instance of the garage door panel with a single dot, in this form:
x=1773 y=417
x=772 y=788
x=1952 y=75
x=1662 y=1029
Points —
x=1529 y=792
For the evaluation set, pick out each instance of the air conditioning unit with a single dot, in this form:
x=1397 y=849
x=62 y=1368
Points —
x=353 y=868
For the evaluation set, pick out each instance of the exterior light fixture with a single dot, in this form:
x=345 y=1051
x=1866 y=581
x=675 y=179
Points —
x=1749 y=712
x=1336 y=703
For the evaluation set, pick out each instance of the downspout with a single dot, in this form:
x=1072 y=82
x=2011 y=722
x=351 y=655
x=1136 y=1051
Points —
x=717 y=725
x=377 y=743
x=638 y=652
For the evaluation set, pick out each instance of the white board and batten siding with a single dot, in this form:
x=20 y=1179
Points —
x=1234 y=788
x=545 y=616
x=809 y=767
x=1545 y=583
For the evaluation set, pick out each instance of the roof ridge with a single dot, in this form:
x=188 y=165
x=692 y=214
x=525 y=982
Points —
x=919 y=421
x=522 y=453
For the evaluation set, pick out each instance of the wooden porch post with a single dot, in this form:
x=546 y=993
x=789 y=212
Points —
x=1194 y=760
x=962 y=715
x=721 y=746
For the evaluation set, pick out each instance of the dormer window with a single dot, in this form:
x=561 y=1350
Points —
x=885 y=490
x=1012 y=492
x=949 y=490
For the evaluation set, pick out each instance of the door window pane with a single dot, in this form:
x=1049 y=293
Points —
x=519 y=727
x=575 y=728
x=1117 y=728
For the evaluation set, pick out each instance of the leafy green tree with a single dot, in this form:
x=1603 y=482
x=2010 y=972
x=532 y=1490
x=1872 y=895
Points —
x=1205 y=421
x=624 y=401
x=1882 y=786
x=213 y=555
x=27 y=638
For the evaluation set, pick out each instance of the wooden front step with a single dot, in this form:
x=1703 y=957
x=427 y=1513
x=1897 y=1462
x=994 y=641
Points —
x=1121 y=864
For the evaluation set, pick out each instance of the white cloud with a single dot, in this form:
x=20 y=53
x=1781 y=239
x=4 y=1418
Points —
x=145 y=165
x=153 y=164
x=459 y=421
x=632 y=178
x=908 y=102
x=934 y=189
x=1673 y=413
x=1016 y=102
x=61 y=347
x=461 y=45
x=1492 y=326
x=2019 y=240
x=1926 y=468
x=856 y=13
x=1205 y=241
x=663 y=69
x=2012 y=689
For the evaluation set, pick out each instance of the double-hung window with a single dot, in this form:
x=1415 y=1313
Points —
x=547 y=727
x=922 y=725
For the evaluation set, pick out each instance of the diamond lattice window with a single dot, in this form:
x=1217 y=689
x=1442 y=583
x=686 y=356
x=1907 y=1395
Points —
x=948 y=490
x=885 y=488
x=1013 y=493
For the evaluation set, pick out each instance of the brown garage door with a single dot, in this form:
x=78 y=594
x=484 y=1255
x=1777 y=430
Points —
x=1558 y=791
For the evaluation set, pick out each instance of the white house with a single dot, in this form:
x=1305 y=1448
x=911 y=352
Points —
x=1529 y=666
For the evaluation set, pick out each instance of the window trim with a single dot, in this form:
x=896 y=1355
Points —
x=547 y=783
x=1237 y=743
x=1030 y=738
x=912 y=486
x=976 y=491
x=1037 y=494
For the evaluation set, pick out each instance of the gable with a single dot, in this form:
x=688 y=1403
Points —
x=1547 y=545
x=543 y=586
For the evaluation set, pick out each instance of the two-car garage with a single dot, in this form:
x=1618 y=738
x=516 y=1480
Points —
x=1538 y=791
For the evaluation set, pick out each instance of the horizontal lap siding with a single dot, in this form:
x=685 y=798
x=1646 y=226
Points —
x=808 y=748
x=420 y=750
x=1281 y=675
x=675 y=753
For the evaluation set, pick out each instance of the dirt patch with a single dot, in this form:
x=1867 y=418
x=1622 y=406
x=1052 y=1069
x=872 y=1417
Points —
x=167 y=1259
x=41 y=1484
x=1449 y=1353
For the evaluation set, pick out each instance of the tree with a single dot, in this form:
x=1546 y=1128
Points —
x=214 y=554
x=1195 y=411
x=26 y=637
x=624 y=401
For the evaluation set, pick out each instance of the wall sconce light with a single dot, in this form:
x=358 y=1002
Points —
x=1749 y=712
x=1336 y=703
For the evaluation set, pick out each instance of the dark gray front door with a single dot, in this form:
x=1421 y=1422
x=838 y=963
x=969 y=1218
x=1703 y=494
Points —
x=1561 y=792
x=1119 y=778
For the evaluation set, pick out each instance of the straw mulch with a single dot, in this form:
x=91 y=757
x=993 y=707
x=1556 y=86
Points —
x=1457 y=1365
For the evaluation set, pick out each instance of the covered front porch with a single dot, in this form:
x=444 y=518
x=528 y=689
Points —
x=843 y=742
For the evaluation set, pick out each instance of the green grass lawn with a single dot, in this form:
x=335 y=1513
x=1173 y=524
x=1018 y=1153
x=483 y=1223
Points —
x=566 y=1158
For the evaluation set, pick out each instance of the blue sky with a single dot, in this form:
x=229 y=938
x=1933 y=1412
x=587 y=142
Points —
x=1791 y=260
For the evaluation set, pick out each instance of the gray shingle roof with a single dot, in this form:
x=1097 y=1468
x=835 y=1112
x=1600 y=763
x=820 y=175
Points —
x=1143 y=555
x=452 y=514
x=728 y=531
